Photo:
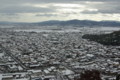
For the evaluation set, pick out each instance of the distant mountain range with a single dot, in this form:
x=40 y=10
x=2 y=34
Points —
x=77 y=23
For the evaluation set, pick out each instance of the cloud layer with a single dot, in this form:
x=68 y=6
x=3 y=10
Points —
x=41 y=10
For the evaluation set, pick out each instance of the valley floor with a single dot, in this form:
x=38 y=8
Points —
x=54 y=55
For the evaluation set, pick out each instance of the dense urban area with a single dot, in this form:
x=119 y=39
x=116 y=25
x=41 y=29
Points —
x=57 y=54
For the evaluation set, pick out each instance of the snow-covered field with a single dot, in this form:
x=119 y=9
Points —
x=82 y=29
x=105 y=29
x=39 y=30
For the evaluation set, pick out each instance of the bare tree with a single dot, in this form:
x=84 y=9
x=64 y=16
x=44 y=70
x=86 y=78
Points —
x=90 y=75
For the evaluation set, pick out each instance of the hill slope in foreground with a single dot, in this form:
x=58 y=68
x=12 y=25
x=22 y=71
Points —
x=105 y=39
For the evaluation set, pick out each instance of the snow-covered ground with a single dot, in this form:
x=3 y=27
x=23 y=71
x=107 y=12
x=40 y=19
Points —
x=104 y=29
x=81 y=29
x=64 y=47
x=39 y=30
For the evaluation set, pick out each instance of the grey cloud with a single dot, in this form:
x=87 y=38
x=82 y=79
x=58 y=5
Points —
x=22 y=9
x=110 y=8
x=89 y=12
x=14 y=2
x=46 y=15
x=55 y=15
x=106 y=7
x=16 y=6
x=9 y=14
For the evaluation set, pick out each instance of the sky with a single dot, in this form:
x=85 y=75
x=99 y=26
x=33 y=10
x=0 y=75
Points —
x=43 y=10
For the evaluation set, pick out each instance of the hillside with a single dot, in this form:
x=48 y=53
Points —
x=105 y=39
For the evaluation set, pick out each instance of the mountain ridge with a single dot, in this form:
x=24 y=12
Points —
x=73 y=22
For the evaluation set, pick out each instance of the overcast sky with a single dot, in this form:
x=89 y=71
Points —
x=42 y=10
